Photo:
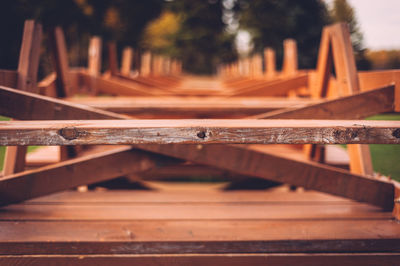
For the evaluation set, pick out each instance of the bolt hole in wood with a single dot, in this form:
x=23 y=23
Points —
x=202 y=134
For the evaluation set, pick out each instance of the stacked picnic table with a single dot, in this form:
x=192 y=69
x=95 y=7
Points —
x=282 y=192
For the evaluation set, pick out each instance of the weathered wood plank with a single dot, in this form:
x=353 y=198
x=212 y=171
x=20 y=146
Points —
x=72 y=173
x=227 y=131
x=198 y=236
x=207 y=259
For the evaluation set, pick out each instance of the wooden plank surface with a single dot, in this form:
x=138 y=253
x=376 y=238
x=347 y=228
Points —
x=194 y=218
x=228 y=131
x=206 y=259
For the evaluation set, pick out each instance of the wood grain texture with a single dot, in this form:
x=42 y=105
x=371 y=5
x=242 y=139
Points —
x=228 y=131
x=207 y=259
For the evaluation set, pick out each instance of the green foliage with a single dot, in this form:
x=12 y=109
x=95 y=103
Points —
x=202 y=42
x=272 y=21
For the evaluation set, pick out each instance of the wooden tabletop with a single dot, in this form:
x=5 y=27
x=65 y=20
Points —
x=194 y=218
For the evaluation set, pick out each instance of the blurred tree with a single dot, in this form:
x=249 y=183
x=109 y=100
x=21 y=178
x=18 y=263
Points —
x=119 y=20
x=272 y=21
x=202 y=41
x=160 y=34
x=342 y=11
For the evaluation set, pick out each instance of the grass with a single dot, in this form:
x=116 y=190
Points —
x=3 y=149
x=385 y=158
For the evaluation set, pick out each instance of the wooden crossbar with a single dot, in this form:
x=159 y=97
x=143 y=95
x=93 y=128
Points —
x=79 y=132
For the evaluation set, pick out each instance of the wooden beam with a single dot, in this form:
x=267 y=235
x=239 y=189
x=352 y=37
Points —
x=60 y=61
x=372 y=79
x=276 y=131
x=347 y=80
x=75 y=172
x=14 y=160
x=112 y=58
x=309 y=175
x=275 y=88
x=357 y=106
x=30 y=106
x=127 y=58
x=191 y=107
x=289 y=67
x=270 y=63
x=94 y=59
x=115 y=86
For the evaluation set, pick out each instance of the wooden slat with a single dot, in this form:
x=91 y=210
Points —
x=127 y=58
x=275 y=88
x=112 y=58
x=115 y=86
x=72 y=173
x=94 y=58
x=372 y=79
x=347 y=80
x=289 y=67
x=29 y=106
x=60 y=61
x=205 y=259
x=184 y=210
x=228 y=131
x=270 y=63
x=198 y=236
x=191 y=107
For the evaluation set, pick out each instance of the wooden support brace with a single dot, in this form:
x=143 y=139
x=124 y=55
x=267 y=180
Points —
x=75 y=172
x=60 y=61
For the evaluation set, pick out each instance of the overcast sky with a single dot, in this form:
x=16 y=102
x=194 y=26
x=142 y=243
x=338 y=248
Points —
x=379 y=22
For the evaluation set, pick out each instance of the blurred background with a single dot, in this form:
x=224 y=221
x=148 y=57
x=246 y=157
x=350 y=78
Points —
x=201 y=33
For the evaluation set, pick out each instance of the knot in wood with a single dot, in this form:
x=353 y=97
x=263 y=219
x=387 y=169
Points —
x=201 y=134
x=396 y=133
x=69 y=133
